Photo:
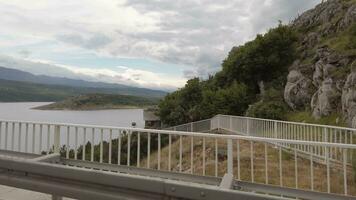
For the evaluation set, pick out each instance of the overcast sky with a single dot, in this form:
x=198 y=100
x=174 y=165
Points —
x=147 y=43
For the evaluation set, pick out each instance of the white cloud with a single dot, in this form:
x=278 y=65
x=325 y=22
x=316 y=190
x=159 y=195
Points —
x=120 y=74
x=196 y=33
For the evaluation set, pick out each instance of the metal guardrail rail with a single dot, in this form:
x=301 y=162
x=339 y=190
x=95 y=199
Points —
x=253 y=159
x=88 y=180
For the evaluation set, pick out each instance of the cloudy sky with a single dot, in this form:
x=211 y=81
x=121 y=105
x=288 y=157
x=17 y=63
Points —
x=146 y=43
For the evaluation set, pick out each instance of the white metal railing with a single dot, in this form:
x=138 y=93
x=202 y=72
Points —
x=280 y=129
x=249 y=158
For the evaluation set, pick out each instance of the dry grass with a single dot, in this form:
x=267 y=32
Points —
x=288 y=165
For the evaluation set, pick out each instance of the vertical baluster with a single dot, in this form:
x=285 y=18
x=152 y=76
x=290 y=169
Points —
x=13 y=136
x=266 y=164
x=180 y=153
x=19 y=138
x=296 y=168
x=344 y=160
x=110 y=146
x=169 y=152
x=33 y=137
x=76 y=144
x=128 y=148
x=204 y=156
x=67 y=149
x=84 y=142
x=48 y=139
x=119 y=148
x=216 y=157
x=41 y=135
x=148 y=149
x=101 y=145
x=352 y=151
x=138 y=149
x=26 y=139
x=252 y=165
x=280 y=167
x=238 y=160
x=1 y=123
x=340 y=141
x=191 y=155
x=6 y=134
x=159 y=152
x=92 y=144
x=311 y=169
x=327 y=168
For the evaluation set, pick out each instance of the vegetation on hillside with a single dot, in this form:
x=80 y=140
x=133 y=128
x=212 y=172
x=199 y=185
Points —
x=251 y=74
x=100 y=101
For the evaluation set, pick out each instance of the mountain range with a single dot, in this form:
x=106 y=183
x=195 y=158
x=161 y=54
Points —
x=17 y=85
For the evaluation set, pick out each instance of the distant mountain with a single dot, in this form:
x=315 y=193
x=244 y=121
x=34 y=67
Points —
x=17 y=91
x=18 y=75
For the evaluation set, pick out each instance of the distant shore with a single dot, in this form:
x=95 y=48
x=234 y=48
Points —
x=53 y=106
x=99 y=102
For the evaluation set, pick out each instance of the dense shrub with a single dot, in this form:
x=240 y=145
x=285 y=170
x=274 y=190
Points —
x=230 y=91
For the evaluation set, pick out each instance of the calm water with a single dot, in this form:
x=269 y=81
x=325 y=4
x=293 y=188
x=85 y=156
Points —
x=14 y=137
x=23 y=111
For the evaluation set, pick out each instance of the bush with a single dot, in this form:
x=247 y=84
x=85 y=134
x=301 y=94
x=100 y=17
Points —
x=268 y=110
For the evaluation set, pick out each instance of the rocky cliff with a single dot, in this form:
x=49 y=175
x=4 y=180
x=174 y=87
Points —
x=323 y=78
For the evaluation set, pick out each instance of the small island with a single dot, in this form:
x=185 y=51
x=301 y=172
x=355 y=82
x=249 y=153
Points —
x=101 y=102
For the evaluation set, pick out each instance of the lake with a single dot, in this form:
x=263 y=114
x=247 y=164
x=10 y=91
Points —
x=24 y=112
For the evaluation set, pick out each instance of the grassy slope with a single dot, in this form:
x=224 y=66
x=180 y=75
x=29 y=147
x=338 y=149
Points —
x=334 y=119
x=100 y=101
x=259 y=165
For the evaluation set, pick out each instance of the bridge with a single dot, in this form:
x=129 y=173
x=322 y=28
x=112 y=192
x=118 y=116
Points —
x=225 y=157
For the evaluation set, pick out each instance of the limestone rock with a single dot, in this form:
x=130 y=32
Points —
x=298 y=90
x=348 y=19
x=325 y=100
x=321 y=14
x=349 y=98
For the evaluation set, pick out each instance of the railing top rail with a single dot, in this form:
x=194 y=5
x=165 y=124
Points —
x=195 y=122
x=296 y=123
x=195 y=134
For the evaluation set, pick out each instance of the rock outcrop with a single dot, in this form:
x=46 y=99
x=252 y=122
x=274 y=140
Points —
x=349 y=97
x=299 y=88
x=323 y=80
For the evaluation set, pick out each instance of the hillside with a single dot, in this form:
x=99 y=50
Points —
x=99 y=102
x=18 y=75
x=16 y=91
x=303 y=71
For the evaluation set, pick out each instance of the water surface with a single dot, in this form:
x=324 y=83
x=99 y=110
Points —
x=37 y=139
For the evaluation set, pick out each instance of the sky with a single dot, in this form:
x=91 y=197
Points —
x=156 y=44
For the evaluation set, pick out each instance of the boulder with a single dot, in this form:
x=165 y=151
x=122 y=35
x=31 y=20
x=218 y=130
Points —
x=298 y=90
x=325 y=100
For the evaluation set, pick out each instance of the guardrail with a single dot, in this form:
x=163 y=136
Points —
x=279 y=129
x=249 y=158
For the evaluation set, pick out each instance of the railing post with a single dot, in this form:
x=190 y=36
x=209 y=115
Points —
x=230 y=123
x=326 y=140
x=275 y=129
x=57 y=138
x=218 y=122
x=248 y=126
x=191 y=127
x=230 y=162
